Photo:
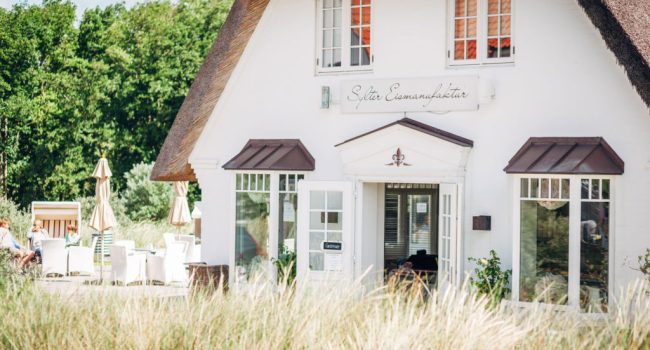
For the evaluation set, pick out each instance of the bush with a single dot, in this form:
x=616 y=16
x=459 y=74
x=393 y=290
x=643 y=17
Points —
x=145 y=199
x=489 y=279
x=20 y=220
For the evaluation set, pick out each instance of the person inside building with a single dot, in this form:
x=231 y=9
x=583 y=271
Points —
x=36 y=234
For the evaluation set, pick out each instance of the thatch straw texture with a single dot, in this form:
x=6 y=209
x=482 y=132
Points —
x=172 y=163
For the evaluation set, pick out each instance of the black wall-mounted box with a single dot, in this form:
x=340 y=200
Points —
x=482 y=223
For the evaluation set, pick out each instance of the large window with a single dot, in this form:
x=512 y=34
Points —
x=594 y=244
x=288 y=211
x=563 y=219
x=480 y=32
x=344 y=35
x=544 y=240
x=265 y=213
x=253 y=194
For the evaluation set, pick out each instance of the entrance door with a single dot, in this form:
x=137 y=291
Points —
x=448 y=227
x=325 y=239
x=410 y=224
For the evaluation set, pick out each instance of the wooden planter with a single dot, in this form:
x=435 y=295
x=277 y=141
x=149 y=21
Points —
x=205 y=277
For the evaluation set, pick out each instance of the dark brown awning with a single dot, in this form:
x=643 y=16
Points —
x=566 y=155
x=290 y=155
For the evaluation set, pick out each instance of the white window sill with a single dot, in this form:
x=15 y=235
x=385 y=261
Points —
x=480 y=65
x=344 y=71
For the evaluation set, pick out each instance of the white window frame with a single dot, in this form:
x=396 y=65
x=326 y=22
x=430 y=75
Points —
x=346 y=41
x=274 y=212
x=481 y=37
x=575 y=202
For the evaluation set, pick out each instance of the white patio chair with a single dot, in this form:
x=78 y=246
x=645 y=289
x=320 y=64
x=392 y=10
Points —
x=129 y=244
x=168 y=268
x=54 y=256
x=190 y=252
x=169 y=239
x=81 y=259
x=127 y=267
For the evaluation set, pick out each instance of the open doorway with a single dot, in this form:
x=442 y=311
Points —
x=411 y=229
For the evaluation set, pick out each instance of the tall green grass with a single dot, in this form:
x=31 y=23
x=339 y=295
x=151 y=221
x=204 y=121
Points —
x=259 y=316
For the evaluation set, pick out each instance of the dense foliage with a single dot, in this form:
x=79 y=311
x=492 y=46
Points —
x=143 y=198
x=111 y=82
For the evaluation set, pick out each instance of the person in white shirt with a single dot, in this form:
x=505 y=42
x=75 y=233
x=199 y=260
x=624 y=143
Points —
x=36 y=234
x=8 y=242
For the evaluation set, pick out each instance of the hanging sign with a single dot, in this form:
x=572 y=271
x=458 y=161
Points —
x=436 y=94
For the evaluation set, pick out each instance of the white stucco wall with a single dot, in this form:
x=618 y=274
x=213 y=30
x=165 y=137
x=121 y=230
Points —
x=565 y=82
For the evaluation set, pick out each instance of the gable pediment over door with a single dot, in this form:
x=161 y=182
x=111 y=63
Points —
x=405 y=148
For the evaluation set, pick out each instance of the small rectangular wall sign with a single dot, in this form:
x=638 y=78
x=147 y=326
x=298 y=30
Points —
x=337 y=246
x=482 y=223
x=437 y=94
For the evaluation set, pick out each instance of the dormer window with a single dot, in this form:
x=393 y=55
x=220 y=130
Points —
x=344 y=35
x=480 y=32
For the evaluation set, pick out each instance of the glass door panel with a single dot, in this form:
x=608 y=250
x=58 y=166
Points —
x=325 y=230
x=419 y=226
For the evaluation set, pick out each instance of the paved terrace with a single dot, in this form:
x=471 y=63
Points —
x=70 y=285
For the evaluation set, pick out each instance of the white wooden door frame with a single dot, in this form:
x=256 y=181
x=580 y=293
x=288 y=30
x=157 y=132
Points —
x=304 y=194
x=449 y=242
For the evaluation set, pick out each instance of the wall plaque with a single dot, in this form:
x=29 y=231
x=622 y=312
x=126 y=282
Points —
x=338 y=246
x=435 y=94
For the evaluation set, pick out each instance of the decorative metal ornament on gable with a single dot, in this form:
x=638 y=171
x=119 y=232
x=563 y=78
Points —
x=398 y=159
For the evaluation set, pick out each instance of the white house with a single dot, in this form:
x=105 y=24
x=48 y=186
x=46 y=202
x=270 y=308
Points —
x=361 y=133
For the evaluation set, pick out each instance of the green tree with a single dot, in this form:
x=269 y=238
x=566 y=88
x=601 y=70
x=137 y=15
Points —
x=113 y=85
x=145 y=199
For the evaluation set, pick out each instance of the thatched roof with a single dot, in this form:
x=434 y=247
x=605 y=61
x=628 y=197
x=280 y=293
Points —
x=623 y=24
x=625 y=27
x=172 y=163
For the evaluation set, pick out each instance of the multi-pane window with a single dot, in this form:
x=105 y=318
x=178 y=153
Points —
x=360 y=33
x=253 y=194
x=465 y=16
x=499 y=34
x=288 y=211
x=481 y=31
x=266 y=209
x=344 y=35
x=552 y=235
x=594 y=244
x=332 y=21
x=544 y=240
x=325 y=225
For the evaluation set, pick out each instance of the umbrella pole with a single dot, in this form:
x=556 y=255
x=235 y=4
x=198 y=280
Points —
x=101 y=259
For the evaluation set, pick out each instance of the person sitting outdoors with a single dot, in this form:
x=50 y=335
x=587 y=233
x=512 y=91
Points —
x=36 y=234
x=6 y=223
x=72 y=237
x=7 y=241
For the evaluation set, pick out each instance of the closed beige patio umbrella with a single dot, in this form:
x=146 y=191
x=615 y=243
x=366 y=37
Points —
x=103 y=217
x=179 y=214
